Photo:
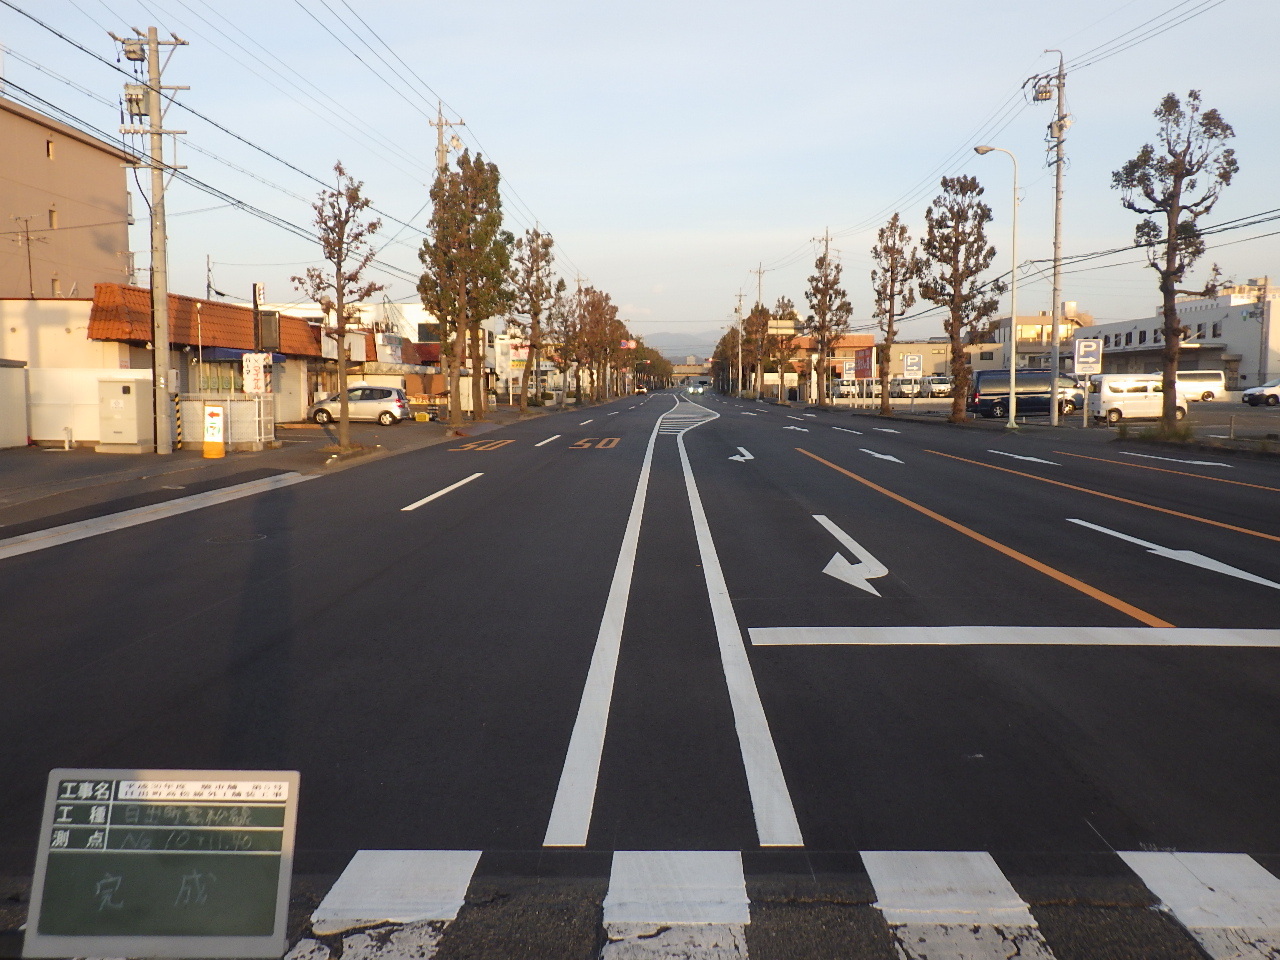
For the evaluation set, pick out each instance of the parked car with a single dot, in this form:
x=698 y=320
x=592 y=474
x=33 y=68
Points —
x=1268 y=393
x=989 y=393
x=904 y=387
x=387 y=405
x=936 y=387
x=1130 y=396
x=1202 y=384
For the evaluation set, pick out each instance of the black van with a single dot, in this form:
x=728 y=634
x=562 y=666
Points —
x=989 y=393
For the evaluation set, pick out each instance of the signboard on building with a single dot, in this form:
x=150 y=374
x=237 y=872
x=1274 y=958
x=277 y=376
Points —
x=254 y=372
x=1088 y=357
x=163 y=863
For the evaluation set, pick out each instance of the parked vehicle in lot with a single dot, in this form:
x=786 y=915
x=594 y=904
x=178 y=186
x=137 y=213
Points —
x=904 y=387
x=936 y=387
x=1130 y=396
x=1202 y=384
x=1268 y=393
x=989 y=393
x=387 y=405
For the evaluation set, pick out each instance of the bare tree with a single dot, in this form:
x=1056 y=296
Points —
x=893 y=281
x=340 y=286
x=1175 y=184
x=755 y=342
x=534 y=292
x=955 y=255
x=780 y=344
x=831 y=313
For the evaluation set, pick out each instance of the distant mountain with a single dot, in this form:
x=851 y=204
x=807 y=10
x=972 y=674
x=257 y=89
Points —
x=677 y=345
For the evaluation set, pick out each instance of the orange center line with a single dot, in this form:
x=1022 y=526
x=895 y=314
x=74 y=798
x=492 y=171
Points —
x=1108 y=496
x=1181 y=473
x=1114 y=602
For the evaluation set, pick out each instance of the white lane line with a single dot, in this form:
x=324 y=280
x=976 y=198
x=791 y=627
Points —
x=440 y=493
x=397 y=886
x=776 y=823
x=585 y=422
x=83 y=529
x=790 y=417
x=952 y=905
x=1019 y=457
x=1194 y=463
x=746 y=414
x=886 y=430
x=880 y=456
x=576 y=794
x=801 y=429
x=1184 y=556
x=548 y=440
x=1227 y=901
x=1032 y=636
x=847 y=430
x=615 y=413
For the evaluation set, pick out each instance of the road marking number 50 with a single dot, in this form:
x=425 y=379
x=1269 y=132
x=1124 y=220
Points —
x=608 y=443
x=482 y=445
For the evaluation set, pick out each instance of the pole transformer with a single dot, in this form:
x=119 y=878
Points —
x=1045 y=88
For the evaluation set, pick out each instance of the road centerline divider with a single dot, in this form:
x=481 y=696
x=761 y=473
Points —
x=1101 y=596
x=439 y=493
x=1110 y=496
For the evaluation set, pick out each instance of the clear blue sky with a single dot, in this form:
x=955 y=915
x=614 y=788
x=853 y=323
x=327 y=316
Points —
x=671 y=147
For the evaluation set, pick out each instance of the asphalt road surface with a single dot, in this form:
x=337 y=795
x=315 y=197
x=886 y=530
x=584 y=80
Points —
x=842 y=651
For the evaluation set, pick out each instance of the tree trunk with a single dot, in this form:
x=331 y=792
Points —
x=1172 y=327
x=478 y=393
x=882 y=370
x=455 y=379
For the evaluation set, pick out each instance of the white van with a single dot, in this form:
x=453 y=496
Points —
x=1129 y=396
x=1202 y=384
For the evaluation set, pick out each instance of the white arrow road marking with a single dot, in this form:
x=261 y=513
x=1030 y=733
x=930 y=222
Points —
x=881 y=456
x=847 y=430
x=790 y=417
x=886 y=429
x=1018 y=457
x=1194 y=463
x=548 y=440
x=856 y=574
x=743 y=457
x=801 y=429
x=615 y=413
x=440 y=493
x=1185 y=556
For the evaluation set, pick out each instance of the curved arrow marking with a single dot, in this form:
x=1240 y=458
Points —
x=801 y=429
x=1184 y=556
x=856 y=574
x=880 y=456
x=743 y=456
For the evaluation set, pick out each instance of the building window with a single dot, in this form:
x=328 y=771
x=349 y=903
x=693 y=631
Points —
x=1217 y=329
x=1106 y=340
x=1199 y=331
x=56 y=287
x=1157 y=335
x=53 y=219
x=48 y=149
x=1128 y=339
x=987 y=355
x=1142 y=336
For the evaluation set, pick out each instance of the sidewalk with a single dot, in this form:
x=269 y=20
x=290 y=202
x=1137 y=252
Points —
x=40 y=482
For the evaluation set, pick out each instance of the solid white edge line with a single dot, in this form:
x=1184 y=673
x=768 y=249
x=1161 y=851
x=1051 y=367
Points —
x=570 y=820
x=1031 y=636
x=548 y=440
x=440 y=493
x=83 y=529
x=775 y=815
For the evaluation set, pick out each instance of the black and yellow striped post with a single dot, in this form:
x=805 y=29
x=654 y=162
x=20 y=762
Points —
x=177 y=422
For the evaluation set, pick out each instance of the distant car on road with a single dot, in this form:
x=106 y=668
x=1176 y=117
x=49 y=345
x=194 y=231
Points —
x=642 y=389
x=386 y=405
x=1268 y=393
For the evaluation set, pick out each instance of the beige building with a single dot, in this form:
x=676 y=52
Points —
x=64 y=208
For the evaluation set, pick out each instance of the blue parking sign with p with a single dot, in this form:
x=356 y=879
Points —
x=1088 y=358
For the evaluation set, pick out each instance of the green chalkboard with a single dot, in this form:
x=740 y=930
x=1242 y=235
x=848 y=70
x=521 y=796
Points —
x=163 y=863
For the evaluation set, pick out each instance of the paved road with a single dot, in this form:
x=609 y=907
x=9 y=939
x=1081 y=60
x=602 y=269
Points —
x=826 y=645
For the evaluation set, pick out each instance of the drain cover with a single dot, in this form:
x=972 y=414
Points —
x=238 y=538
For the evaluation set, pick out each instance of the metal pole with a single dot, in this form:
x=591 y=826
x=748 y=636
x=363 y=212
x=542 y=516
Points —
x=1059 y=129
x=1013 y=306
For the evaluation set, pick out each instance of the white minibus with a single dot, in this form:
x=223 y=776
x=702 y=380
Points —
x=1202 y=384
x=1129 y=396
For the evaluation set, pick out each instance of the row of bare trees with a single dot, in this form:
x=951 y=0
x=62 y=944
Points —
x=472 y=271
x=1172 y=184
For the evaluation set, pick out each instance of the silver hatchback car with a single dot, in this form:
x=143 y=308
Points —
x=387 y=405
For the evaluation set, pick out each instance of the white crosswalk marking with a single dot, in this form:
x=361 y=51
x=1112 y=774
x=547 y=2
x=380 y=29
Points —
x=1227 y=901
x=665 y=904
x=952 y=905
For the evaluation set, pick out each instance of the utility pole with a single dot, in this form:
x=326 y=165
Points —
x=759 y=272
x=146 y=101
x=442 y=149
x=738 y=313
x=26 y=240
x=1045 y=87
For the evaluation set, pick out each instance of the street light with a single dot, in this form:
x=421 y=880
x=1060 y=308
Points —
x=1013 y=295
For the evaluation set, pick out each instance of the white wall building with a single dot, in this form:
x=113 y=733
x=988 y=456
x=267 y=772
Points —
x=1237 y=332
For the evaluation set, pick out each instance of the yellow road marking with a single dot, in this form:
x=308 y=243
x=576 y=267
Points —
x=1108 y=496
x=1181 y=473
x=1114 y=602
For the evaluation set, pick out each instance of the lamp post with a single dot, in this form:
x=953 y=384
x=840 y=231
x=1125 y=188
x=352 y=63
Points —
x=1013 y=295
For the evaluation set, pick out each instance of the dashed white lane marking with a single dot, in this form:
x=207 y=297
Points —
x=880 y=456
x=440 y=493
x=1016 y=456
x=952 y=905
x=585 y=422
x=847 y=430
x=666 y=904
x=775 y=816
x=548 y=440
x=576 y=794
x=397 y=886
x=1227 y=901
x=996 y=636
x=1194 y=463
x=83 y=529
x=886 y=430
x=615 y=413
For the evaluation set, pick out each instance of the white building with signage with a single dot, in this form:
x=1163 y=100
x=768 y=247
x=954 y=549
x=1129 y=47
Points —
x=1237 y=332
